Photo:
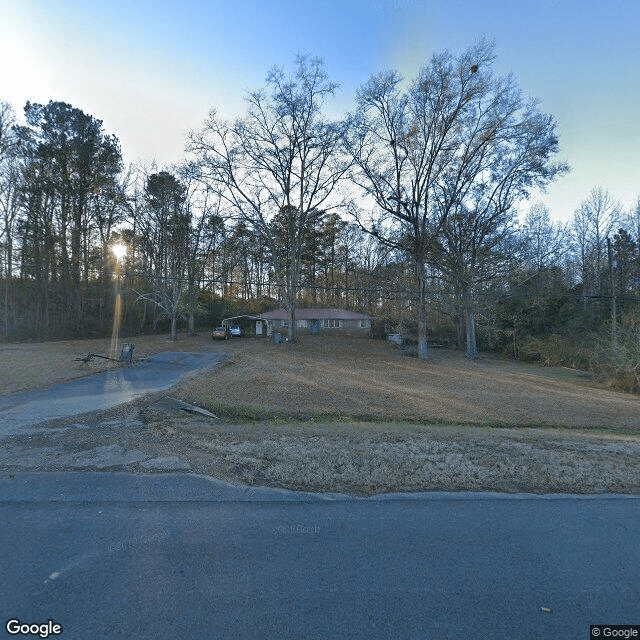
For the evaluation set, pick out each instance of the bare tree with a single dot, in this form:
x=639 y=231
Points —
x=595 y=219
x=165 y=243
x=633 y=221
x=458 y=143
x=281 y=159
x=545 y=241
x=9 y=201
x=202 y=208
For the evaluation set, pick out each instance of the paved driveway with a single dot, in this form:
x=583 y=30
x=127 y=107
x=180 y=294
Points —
x=99 y=391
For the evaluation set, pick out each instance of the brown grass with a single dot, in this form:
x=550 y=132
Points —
x=350 y=415
x=366 y=378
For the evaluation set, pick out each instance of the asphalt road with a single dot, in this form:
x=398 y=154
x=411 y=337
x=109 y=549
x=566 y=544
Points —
x=180 y=556
x=99 y=391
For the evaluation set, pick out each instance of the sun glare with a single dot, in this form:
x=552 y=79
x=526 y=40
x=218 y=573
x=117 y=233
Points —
x=119 y=251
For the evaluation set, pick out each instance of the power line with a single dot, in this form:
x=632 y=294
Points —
x=381 y=291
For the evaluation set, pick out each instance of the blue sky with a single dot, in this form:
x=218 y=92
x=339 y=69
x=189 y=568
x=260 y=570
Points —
x=151 y=70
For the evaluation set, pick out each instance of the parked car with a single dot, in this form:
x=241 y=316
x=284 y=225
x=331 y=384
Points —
x=235 y=331
x=220 y=333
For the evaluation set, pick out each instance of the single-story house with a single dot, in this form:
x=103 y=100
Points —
x=321 y=321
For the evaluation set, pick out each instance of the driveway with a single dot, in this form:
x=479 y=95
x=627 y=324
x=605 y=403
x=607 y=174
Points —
x=100 y=391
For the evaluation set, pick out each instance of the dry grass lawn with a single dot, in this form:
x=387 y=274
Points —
x=351 y=415
x=358 y=377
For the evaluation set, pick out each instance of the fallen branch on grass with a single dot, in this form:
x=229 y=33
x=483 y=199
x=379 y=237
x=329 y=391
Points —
x=90 y=356
x=192 y=408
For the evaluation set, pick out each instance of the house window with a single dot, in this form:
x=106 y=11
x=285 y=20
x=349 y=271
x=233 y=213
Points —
x=331 y=323
x=363 y=324
x=302 y=324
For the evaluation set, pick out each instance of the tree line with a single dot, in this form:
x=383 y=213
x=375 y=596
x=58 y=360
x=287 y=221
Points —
x=413 y=208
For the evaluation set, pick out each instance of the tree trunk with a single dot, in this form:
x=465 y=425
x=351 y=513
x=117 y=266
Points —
x=192 y=323
x=423 y=352
x=291 y=312
x=460 y=329
x=7 y=294
x=174 y=325
x=192 y=296
x=292 y=289
x=175 y=302
x=8 y=275
x=470 y=323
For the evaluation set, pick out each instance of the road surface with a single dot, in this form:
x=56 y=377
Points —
x=179 y=556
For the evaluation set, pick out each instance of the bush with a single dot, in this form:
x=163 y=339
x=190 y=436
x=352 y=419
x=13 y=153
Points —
x=620 y=378
x=620 y=370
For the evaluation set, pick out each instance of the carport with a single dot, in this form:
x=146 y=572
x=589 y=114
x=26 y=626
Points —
x=259 y=326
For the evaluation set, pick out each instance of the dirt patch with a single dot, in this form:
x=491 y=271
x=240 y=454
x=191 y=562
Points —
x=352 y=416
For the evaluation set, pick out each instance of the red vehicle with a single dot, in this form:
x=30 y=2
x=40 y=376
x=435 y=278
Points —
x=220 y=333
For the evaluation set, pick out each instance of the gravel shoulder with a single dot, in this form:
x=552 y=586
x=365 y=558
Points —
x=350 y=416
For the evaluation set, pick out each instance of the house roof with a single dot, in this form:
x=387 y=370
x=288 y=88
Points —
x=242 y=315
x=316 y=314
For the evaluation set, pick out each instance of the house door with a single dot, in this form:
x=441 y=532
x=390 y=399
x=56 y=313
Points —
x=315 y=327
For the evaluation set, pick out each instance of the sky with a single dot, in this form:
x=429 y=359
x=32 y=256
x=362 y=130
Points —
x=152 y=69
